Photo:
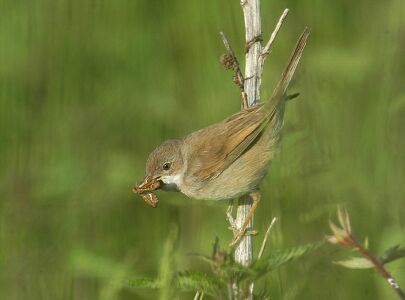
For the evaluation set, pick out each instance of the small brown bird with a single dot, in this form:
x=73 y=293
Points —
x=226 y=160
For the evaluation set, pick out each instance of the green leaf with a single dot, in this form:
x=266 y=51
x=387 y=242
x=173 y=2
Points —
x=393 y=253
x=145 y=282
x=184 y=281
x=280 y=258
x=197 y=281
x=277 y=259
x=355 y=263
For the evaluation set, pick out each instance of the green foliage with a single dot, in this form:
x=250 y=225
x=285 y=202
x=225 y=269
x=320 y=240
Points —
x=227 y=271
x=355 y=263
x=277 y=259
x=197 y=281
x=391 y=254
x=90 y=265
x=145 y=283
x=184 y=281
x=112 y=275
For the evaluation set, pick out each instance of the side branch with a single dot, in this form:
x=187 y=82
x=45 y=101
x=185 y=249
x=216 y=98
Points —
x=266 y=236
x=266 y=49
x=230 y=61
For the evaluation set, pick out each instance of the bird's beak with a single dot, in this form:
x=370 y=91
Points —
x=147 y=185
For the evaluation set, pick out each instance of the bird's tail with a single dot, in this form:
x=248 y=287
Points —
x=279 y=92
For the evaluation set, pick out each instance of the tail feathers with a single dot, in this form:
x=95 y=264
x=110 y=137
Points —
x=283 y=83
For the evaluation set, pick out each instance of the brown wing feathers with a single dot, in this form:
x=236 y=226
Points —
x=241 y=129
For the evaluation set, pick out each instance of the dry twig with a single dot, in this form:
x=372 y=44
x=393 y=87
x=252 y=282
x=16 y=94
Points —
x=229 y=61
x=266 y=50
x=266 y=236
x=249 y=85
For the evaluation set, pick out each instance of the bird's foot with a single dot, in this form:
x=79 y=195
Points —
x=239 y=234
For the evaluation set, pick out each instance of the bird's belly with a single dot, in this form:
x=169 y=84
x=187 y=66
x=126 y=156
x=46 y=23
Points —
x=243 y=175
x=222 y=188
x=240 y=178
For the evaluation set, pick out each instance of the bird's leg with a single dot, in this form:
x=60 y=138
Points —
x=230 y=218
x=232 y=221
x=241 y=232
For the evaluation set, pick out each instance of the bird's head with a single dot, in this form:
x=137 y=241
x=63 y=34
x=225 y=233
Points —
x=164 y=168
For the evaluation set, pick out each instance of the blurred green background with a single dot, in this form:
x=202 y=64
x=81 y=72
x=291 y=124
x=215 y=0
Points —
x=89 y=88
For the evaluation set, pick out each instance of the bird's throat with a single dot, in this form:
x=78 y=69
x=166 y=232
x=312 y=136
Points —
x=172 y=182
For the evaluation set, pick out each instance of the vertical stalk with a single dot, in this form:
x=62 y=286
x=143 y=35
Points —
x=251 y=13
x=250 y=85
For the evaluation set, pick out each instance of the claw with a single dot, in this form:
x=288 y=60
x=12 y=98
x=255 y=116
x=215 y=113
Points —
x=240 y=234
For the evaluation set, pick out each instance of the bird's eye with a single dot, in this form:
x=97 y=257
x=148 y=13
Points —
x=166 y=166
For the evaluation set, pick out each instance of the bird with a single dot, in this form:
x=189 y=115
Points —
x=225 y=160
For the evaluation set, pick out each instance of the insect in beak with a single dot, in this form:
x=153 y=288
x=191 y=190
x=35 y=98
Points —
x=150 y=199
x=145 y=189
x=147 y=185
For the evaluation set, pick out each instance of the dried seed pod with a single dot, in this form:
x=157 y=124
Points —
x=227 y=60
x=236 y=80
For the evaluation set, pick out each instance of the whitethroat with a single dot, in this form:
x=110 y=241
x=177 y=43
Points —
x=228 y=159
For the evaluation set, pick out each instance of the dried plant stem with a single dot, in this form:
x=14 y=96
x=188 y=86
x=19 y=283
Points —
x=255 y=57
x=199 y=296
x=249 y=85
x=238 y=77
x=266 y=49
x=251 y=13
x=253 y=31
x=266 y=236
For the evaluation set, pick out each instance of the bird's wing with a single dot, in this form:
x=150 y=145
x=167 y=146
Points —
x=218 y=146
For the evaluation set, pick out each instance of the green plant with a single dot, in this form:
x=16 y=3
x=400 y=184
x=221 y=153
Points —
x=344 y=236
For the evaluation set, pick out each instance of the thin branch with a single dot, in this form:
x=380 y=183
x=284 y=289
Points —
x=266 y=236
x=249 y=85
x=230 y=51
x=266 y=49
x=238 y=76
x=264 y=243
x=379 y=266
x=199 y=296
x=344 y=236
